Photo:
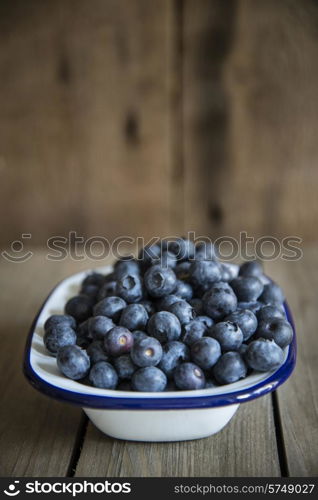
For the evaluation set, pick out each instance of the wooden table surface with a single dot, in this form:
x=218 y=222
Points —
x=276 y=435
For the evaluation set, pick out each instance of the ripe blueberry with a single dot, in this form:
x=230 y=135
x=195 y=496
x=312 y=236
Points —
x=188 y=376
x=118 y=341
x=110 y=306
x=229 y=368
x=160 y=281
x=103 y=375
x=228 y=334
x=129 y=288
x=205 y=352
x=149 y=379
x=247 y=288
x=146 y=352
x=59 y=336
x=73 y=362
x=134 y=317
x=264 y=355
x=219 y=301
x=164 y=326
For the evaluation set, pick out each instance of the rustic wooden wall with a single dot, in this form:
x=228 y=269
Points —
x=141 y=118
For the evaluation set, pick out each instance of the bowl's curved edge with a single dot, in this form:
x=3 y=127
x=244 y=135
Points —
x=153 y=403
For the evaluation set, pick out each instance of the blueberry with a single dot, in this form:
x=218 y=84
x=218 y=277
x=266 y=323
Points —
x=264 y=355
x=96 y=279
x=251 y=306
x=107 y=290
x=183 y=311
x=247 y=288
x=149 y=255
x=164 y=326
x=277 y=329
x=205 y=251
x=182 y=270
x=73 y=362
x=165 y=302
x=129 y=288
x=228 y=334
x=146 y=352
x=204 y=273
x=110 y=306
x=229 y=271
x=219 y=301
x=205 y=352
x=99 y=326
x=80 y=307
x=197 y=305
x=267 y=313
x=229 y=368
x=138 y=334
x=193 y=331
x=96 y=352
x=188 y=376
x=134 y=317
x=173 y=354
x=168 y=259
x=126 y=267
x=118 y=341
x=159 y=281
x=149 y=306
x=124 y=366
x=183 y=290
x=206 y=320
x=183 y=249
x=57 y=319
x=103 y=375
x=272 y=294
x=246 y=320
x=90 y=290
x=149 y=379
x=59 y=336
x=251 y=268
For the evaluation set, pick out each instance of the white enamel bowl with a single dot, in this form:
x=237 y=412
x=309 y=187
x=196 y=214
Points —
x=147 y=416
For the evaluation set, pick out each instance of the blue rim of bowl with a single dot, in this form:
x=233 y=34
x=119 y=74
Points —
x=172 y=403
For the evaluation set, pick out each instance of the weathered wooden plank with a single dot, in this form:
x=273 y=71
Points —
x=85 y=124
x=246 y=447
x=298 y=398
x=37 y=435
x=250 y=117
x=207 y=41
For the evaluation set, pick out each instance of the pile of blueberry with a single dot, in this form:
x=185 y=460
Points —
x=176 y=318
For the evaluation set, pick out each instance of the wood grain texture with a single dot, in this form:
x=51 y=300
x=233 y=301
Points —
x=208 y=30
x=240 y=449
x=37 y=434
x=85 y=139
x=250 y=108
x=298 y=398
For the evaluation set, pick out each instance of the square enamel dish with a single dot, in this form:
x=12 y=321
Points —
x=147 y=416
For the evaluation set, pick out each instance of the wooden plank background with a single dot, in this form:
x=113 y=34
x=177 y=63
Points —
x=122 y=117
